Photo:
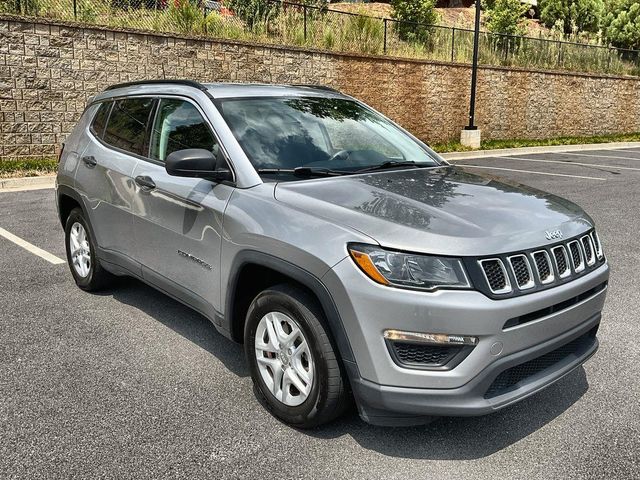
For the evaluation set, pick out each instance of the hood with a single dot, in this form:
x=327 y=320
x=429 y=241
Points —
x=445 y=210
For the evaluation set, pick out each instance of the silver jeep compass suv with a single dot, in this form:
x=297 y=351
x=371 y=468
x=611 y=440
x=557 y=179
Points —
x=348 y=257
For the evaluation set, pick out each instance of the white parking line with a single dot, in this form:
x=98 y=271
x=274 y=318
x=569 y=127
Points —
x=49 y=257
x=601 y=156
x=562 y=162
x=535 y=173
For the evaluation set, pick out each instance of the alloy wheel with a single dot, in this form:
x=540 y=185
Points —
x=80 y=250
x=284 y=358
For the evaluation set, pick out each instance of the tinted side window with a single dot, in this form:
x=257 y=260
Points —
x=127 y=124
x=178 y=126
x=100 y=119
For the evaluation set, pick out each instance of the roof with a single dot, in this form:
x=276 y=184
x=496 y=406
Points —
x=217 y=90
x=228 y=90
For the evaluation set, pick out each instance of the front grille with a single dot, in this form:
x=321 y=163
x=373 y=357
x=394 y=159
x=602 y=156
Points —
x=535 y=270
x=424 y=355
x=521 y=271
x=511 y=378
x=496 y=275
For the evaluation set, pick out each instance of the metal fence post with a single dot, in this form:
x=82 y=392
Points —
x=75 y=9
x=385 y=36
x=304 y=12
x=453 y=44
x=559 y=54
x=204 y=23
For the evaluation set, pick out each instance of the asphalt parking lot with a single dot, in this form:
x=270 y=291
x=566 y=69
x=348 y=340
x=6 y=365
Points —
x=131 y=384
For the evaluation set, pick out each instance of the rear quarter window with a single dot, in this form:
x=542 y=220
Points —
x=100 y=119
x=127 y=125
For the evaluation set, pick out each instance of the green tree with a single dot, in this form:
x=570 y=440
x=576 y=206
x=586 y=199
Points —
x=621 y=23
x=506 y=16
x=572 y=16
x=413 y=12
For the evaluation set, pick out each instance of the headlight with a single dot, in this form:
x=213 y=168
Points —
x=409 y=270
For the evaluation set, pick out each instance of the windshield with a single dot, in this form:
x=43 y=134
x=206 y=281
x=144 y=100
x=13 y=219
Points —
x=318 y=133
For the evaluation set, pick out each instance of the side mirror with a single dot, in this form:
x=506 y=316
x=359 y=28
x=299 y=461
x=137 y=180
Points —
x=195 y=162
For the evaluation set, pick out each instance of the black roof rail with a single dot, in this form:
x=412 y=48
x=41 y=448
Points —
x=318 y=87
x=188 y=83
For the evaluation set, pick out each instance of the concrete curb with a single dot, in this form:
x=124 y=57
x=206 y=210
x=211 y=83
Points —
x=27 y=183
x=505 y=152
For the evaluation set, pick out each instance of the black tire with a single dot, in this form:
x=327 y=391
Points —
x=329 y=396
x=98 y=277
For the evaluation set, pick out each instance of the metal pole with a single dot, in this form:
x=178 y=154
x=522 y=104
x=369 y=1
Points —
x=474 y=71
x=453 y=44
x=75 y=9
x=385 y=36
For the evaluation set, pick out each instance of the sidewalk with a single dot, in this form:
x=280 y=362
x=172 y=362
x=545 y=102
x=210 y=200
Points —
x=505 y=152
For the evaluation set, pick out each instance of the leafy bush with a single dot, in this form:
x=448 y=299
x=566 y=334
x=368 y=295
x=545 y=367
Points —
x=254 y=11
x=506 y=16
x=573 y=16
x=186 y=16
x=412 y=12
x=621 y=23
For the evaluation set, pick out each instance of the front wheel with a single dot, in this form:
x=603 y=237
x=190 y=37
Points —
x=293 y=365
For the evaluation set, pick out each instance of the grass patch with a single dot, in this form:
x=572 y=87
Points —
x=454 y=146
x=28 y=167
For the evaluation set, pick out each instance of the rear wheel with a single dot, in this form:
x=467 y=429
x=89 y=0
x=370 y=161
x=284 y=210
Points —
x=81 y=254
x=294 y=367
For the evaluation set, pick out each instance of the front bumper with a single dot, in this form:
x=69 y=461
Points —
x=391 y=394
x=386 y=405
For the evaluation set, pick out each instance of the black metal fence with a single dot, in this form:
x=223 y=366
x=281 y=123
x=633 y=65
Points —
x=294 y=24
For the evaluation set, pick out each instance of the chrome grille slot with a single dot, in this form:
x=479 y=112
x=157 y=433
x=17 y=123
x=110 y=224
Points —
x=597 y=244
x=577 y=258
x=522 y=271
x=496 y=275
x=562 y=261
x=543 y=266
x=589 y=253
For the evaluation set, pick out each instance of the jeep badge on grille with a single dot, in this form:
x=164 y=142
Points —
x=553 y=234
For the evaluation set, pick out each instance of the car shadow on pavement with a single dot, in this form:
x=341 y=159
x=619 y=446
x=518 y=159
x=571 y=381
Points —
x=464 y=438
x=446 y=438
x=182 y=320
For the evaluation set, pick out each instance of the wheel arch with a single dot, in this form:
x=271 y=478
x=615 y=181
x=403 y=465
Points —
x=68 y=199
x=242 y=289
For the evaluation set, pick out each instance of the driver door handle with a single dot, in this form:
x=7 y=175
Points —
x=145 y=182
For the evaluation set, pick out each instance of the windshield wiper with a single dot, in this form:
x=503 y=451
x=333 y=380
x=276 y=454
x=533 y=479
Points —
x=304 y=171
x=393 y=164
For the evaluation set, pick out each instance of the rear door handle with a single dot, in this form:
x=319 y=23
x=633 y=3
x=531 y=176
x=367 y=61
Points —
x=90 y=161
x=146 y=183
